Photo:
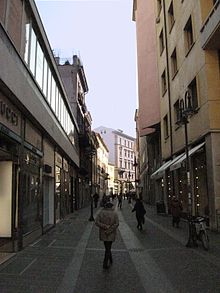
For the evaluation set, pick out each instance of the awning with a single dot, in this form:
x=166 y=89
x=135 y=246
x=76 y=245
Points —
x=178 y=163
x=159 y=172
x=174 y=164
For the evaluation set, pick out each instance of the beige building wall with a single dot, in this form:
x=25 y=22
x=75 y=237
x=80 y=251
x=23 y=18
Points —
x=193 y=62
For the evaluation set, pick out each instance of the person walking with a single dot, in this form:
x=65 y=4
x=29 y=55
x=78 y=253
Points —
x=176 y=210
x=107 y=221
x=140 y=212
x=120 y=201
x=96 y=199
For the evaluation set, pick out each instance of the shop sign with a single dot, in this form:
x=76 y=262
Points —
x=8 y=113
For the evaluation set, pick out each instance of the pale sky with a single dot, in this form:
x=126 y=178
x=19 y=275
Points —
x=102 y=34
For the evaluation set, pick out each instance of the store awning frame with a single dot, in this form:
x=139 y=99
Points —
x=175 y=163
x=178 y=163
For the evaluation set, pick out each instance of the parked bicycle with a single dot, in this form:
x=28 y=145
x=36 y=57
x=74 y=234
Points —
x=198 y=230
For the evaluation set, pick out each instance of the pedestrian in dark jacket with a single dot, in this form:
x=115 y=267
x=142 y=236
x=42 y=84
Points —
x=107 y=221
x=176 y=210
x=140 y=212
x=96 y=199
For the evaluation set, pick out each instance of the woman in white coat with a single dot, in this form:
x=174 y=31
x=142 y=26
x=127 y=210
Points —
x=107 y=221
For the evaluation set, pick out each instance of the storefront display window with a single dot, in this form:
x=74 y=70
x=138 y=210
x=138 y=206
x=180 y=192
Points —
x=31 y=203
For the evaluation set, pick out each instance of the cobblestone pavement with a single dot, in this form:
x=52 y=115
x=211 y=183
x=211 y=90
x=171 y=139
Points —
x=69 y=258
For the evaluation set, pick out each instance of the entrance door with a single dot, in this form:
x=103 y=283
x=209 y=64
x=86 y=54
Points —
x=48 y=199
x=5 y=199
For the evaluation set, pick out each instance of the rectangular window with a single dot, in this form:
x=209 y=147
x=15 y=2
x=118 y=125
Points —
x=174 y=62
x=159 y=7
x=163 y=82
x=161 y=42
x=165 y=127
x=39 y=66
x=49 y=86
x=193 y=91
x=188 y=35
x=176 y=111
x=27 y=43
x=53 y=94
x=171 y=16
x=45 y=77
x=33 y=52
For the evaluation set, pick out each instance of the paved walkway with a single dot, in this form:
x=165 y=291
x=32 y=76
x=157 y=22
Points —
x=69 y=259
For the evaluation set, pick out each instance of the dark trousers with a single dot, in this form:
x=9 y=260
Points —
x=140 y=222
x=108 y=253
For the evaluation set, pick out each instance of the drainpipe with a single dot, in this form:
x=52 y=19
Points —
x=168 y=92
x=168 y=80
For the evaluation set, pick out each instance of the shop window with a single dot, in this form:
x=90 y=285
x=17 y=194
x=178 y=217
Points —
x=161 y=42
x=174 y=63
x=201 y=202
x=163 y=82
x=31 y=202
x=188 y=35
x=193 y=90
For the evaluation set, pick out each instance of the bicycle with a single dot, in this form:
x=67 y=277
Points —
x=198 y=230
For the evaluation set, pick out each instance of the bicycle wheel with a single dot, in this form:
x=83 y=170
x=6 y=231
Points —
x=205 y=240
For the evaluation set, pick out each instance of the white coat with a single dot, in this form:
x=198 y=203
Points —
x=107 y=221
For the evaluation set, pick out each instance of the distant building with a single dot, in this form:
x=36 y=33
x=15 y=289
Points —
x=102 y=166
x=122 y=155
x=75 y=83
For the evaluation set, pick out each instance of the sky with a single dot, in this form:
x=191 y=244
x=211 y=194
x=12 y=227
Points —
x=103 y=35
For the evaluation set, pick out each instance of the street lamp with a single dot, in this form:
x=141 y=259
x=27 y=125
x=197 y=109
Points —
x=91 y=218
x=135 y=164
x=129 y=176
x=185 y=111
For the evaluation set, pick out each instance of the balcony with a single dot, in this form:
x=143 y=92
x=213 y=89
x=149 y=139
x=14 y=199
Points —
x=210 y=32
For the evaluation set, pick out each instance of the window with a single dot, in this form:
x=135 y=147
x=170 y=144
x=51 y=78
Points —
x=45 y=77
x=161 y=42
x=171 y=16
x=188 y=35
x=163 y=82
x=53 y=94
x=39 y=66
x=165 y=127
x=193 y=90
x=176 y=111
x=159 y=7
x=174 y=62
x=49 y=85
x=33 y=51
x=27 y=43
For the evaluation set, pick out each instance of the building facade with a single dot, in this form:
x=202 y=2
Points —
x=147 y=117
x=75 y=83
x=121 y=153
x=39 y=150
x=187 y=34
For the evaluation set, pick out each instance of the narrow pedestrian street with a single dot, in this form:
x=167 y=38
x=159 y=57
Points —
x=69 y=259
